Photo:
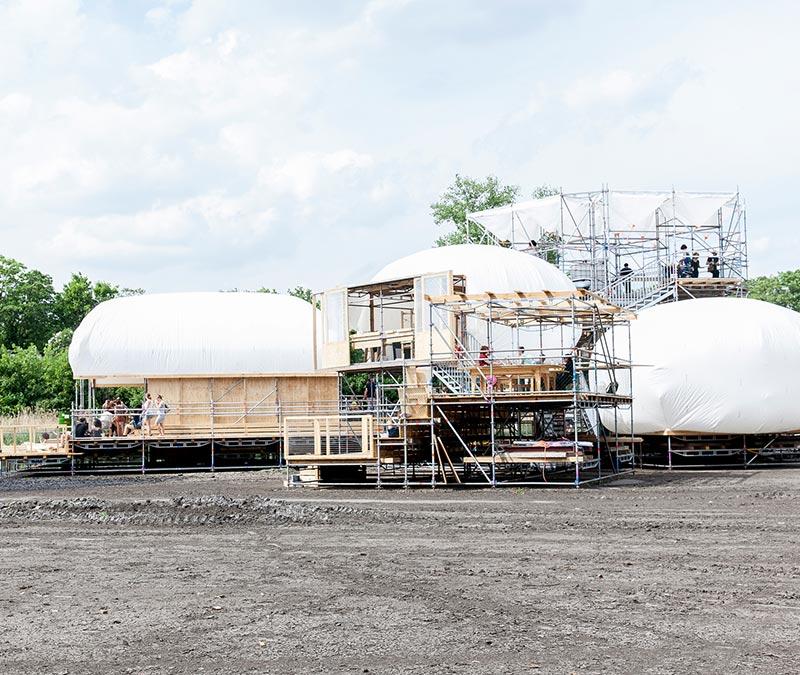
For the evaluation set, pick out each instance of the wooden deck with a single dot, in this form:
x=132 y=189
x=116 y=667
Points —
x=709 y=287
x=533 y=398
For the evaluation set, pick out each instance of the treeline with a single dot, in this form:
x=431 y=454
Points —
x=780 y=289
x=36 y=326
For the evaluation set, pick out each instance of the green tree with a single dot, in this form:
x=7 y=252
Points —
x=780 y=289
x=545 y=190
x=464 y=196
x=74 y=301
x=301 y=292
x=57 y=380
x=79 y=296
x=27 y=299
x=22 y=383
x=36 y=327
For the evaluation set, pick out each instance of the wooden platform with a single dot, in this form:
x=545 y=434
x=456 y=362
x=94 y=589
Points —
x=37 y=453
x=348 y=458
x=708 y=287
x=533 y=398
x=531 y=457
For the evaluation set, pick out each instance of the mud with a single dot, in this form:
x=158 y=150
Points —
x=232 y=573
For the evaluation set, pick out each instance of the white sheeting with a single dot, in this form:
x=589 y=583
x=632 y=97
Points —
x=524 y=221
x=487 y=268
x=715 y=365
x=194 y=334
x=629 y=214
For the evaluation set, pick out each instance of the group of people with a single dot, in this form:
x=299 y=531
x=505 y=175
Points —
x=689 y=265
x=115 y=420
x=153 y=411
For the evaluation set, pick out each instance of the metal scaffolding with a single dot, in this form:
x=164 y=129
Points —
x=459 y=400
x=592 y=236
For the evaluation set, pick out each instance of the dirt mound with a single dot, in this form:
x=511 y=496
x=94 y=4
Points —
x=204 y=510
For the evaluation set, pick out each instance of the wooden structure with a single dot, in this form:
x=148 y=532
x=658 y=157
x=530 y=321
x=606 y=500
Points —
x=446 y=406
x=212 y=421
x=34 y=447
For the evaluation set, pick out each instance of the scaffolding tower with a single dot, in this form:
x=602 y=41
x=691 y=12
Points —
x=592 y=236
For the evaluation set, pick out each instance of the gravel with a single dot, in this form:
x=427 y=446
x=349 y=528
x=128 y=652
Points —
x=232 y=573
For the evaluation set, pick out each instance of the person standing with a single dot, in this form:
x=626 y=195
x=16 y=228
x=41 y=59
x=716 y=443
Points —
x=371 y=393
x=695 y=264
x=684 y=261
x=712 y=264
x=161 y=410
x=82 y=428
x=147 y=410
x=625 y=274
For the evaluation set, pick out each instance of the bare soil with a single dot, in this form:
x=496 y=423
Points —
x=232 y=573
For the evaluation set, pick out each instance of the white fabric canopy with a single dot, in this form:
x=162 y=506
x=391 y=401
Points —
x=634 y=212
x=524 y=221
x=487 y=268
x=629 y=214
x=127 y=339
x=712 y=366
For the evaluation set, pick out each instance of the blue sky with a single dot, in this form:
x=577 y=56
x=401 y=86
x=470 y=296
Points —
x=216 y=144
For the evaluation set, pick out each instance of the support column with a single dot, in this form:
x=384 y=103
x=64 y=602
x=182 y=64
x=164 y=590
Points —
x=669 y=452
x=491 y=399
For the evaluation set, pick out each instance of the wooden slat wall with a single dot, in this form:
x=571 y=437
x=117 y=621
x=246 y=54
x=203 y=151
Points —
x=236 y=398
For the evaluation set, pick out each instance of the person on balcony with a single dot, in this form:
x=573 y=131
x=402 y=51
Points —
x=161 y=409
x=712 y=264
x=684 y=263
x=371 y=393
x=148 y=411
x=82 y=428
x=695 y=264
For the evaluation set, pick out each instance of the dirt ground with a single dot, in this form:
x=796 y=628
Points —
x=232 y=573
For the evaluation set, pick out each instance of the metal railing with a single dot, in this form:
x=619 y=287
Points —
x=195 y=418
x=642 y=288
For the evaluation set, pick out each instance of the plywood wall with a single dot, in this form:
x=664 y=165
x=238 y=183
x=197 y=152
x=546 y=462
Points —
x=248 y=404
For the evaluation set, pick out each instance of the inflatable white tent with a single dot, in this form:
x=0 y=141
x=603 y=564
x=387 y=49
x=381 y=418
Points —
x=172 y=334
x=713 y=366
x=487 y=268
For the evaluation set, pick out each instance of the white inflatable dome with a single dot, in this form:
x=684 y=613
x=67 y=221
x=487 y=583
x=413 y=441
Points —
x=713 y=366
x=487 y=268
x=128 y=339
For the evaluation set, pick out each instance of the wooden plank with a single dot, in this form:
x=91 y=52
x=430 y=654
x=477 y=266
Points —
x=559 y=458
x=449 y=461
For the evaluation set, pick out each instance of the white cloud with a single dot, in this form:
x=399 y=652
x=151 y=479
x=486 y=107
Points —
x=617 y=86
x=172 y=231
x=235 y=129
x=301 y=173
x=759 y=244
x=158 y=15
x=15 y=105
